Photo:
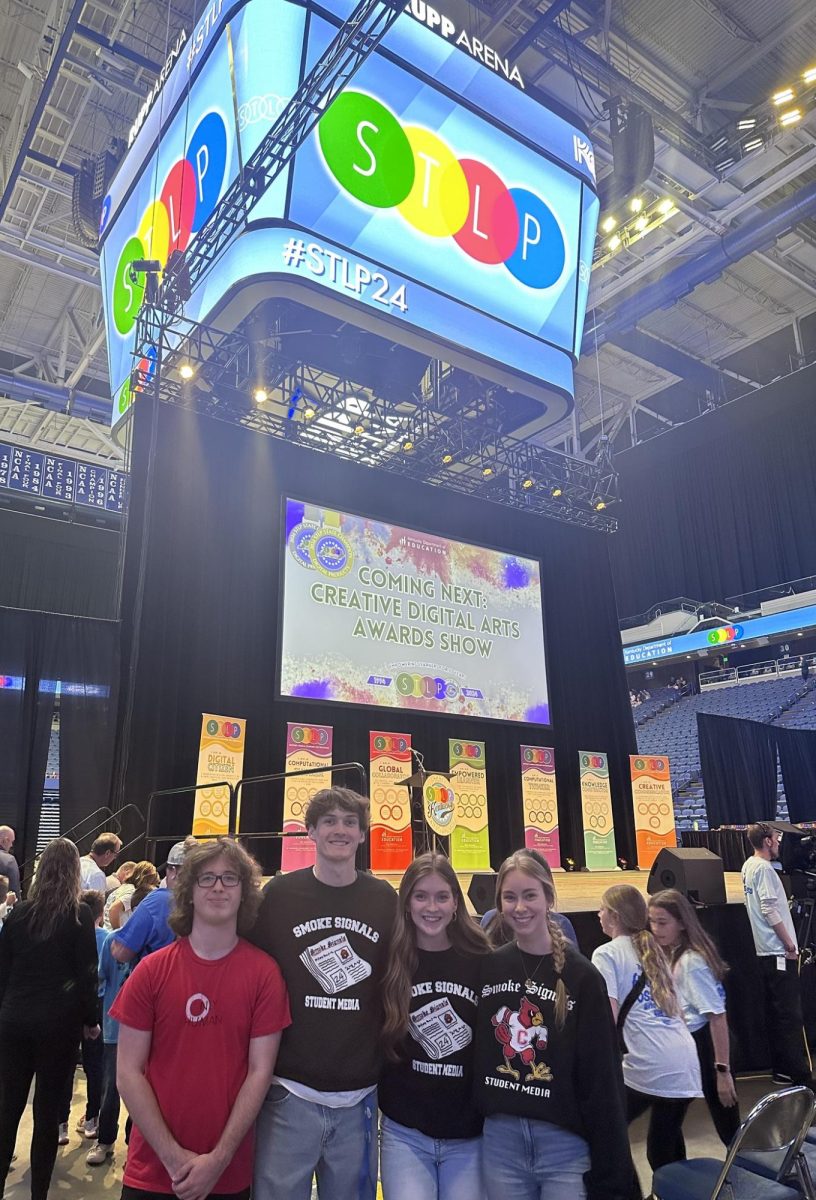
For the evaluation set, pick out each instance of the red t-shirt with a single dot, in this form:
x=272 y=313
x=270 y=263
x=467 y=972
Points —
x=202 y=1015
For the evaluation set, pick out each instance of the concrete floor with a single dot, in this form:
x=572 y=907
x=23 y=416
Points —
x=72 y=1178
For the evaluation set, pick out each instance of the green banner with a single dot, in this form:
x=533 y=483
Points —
x=596 y=806
x=470 y=843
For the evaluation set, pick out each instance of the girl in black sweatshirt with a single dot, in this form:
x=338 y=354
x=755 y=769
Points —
x=547 y=1073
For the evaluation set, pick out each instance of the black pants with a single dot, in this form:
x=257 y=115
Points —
x=109 y=1109
x=783 y=1019
x=664 y=1141
x=46 y=1056
x=129 y=1193
x=726 y=1120
x=92 y=1065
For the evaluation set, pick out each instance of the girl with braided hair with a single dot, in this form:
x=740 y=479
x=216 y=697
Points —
x=660 y=1067
x=547 y=1072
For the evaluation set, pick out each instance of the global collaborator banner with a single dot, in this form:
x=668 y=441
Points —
x=540 y=803
x=220 y=759
x=391 y=841
x=596 y=806
x=470 y=843
x=653 y=805
x=306 y=746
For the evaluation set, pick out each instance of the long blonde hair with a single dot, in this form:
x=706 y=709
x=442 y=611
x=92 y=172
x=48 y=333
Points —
x=629 y=906
x=524 y=862
x=693 y=936
x=403 y=959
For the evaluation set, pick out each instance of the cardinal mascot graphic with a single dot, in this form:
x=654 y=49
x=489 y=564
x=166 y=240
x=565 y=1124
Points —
x=518 y=1033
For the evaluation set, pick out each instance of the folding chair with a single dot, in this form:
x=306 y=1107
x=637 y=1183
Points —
x=768 y=1146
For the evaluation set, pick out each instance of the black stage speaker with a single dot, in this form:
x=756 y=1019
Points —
x=482 y=891
x=695 y=872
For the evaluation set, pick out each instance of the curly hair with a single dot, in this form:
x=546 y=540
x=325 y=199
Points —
x=196 y=862
x=523 y=861
x=55 y=890
x=629 y=906
x=465 y=936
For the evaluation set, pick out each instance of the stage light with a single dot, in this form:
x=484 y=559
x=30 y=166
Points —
x=447 y=458
x=791 y=116
x=753 y=144
x=636 y=204
x=260 y=395
x=614 y=242
x=782 y=97
x=556 y=492
x=527 y=483
x=641 y=223
x=308 y=414
x=487 y=472
x=599 y=505
x=747 y=124
x=809 y=76
x=665 y=207
x=407 y=446
x=608 y=224
x=359 y=428
x=186 y=371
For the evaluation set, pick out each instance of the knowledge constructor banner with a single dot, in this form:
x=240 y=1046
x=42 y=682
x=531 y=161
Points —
x=596 y=806
x=306 y=746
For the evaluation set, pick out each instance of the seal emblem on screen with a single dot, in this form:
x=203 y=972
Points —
x=330 y=553
x=300 y=539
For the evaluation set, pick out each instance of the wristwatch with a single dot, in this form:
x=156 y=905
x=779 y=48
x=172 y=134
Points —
x=722 y=1068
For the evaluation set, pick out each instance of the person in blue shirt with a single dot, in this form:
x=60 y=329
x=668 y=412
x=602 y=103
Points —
x=148 y=928
x=91 y=1048
x=111 y=977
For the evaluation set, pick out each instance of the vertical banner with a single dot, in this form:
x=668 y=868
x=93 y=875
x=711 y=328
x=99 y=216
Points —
x=653 y=805
x=596 y=806
x=540 y=803
x=306 y=746
x=470 y=844
x=220 y=758
x=392 y=846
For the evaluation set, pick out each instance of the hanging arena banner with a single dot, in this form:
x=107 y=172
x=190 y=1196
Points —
x=540 y=803
x=470 y=842
x=306 y=746
x=391 y=840
x=220 y=759
x=596 y=807
x=653 y=806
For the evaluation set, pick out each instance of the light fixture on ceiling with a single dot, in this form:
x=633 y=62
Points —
x=791 y=116
x=186 y=370
x=260 y=395
x=783 y=96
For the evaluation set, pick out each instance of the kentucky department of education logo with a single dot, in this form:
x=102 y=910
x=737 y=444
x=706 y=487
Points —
x=330 y=553
x=300 y=539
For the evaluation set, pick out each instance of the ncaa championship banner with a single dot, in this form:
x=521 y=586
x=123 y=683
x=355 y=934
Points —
x=596 y=807
x=540 y=803
x=470 y=844
x=653 y=805
x=220 y=758
x=392 y=846
x=306 y=746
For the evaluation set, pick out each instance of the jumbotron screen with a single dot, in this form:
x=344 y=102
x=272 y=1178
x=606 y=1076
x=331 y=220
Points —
x=381 y=615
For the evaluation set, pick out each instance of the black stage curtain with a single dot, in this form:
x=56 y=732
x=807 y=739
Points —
x=738 y=760
x=36 y=651
x=722 y=506
x=207 y=633
x=731 y=845
x=57 y=567
x=797 y=758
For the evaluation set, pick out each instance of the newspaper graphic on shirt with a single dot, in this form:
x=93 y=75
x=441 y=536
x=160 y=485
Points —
x=439 y=1029
x=335 y=964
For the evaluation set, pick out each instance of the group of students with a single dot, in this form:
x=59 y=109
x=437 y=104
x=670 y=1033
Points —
x=255 y=1048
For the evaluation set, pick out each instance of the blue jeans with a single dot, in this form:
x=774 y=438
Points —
x=296 y=1140
x=532 y=1160
x=414 y=1166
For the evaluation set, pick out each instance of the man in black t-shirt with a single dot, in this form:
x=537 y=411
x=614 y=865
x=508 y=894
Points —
x=328 y=928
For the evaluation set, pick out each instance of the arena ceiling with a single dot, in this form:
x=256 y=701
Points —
x=74 y=73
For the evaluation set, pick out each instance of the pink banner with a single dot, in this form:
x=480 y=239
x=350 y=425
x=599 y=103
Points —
x=306 y=746
x=540 y=803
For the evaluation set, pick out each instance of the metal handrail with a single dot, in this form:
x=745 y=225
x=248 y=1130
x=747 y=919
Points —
x=150 y=839
x=112 y=818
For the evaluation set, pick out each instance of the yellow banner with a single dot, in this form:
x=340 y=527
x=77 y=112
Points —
x=220 y=759
x=653 y=805
x=470 y=840
x=306 y=746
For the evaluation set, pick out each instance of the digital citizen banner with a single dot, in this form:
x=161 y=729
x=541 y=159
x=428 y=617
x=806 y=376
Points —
x=220 y=760
x=596 y=807
x=377 y=614
x=653 y=806
x=391 y=840
x=306 y=746
x=540 y=803
x=470 y=843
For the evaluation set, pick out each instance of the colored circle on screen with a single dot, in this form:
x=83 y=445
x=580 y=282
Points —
x=439 y=199
x=367 y=150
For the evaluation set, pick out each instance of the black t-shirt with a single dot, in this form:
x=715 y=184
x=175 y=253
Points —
x=571 y=1077
x=331 y=944
x=431 y=1087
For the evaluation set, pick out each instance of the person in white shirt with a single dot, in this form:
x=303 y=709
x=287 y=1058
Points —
x=777 y=958
x=94 y=865
x=660 y=1067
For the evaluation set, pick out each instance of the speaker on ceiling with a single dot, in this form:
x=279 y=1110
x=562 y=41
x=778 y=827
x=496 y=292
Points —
x=632 y=136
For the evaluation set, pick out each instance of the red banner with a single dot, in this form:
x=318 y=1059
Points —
x=392 y=845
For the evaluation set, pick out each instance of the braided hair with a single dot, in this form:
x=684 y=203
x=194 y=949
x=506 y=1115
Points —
x=524 y=862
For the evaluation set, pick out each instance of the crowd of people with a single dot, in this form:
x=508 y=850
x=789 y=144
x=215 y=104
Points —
x=329 y=1028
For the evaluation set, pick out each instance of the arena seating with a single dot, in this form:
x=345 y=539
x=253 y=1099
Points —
x=661 y=698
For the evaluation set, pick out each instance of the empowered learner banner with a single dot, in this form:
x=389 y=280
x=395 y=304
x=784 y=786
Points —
x=470 y=842
x=596 y=808
x=306 y=746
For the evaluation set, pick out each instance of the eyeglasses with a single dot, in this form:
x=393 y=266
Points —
x=209 y=879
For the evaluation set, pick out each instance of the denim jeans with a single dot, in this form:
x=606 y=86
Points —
x=296 y=1140
x=109 y=1110
x=414 y=1166
x=532 y=1160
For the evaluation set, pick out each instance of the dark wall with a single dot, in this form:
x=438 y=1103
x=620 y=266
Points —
x=207 y=636
x=721 y=506
x=54 y=566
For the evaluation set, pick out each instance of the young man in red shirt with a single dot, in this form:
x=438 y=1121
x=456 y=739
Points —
x=200 y=1022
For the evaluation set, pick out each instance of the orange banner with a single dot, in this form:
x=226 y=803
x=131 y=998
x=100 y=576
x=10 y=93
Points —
x=653 y=805
x=392 y=845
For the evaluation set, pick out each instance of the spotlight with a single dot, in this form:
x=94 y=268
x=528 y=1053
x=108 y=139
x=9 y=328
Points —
x=665 y=207
x=359 y=428
x=782 y=97
x=753 y=144
x=636 y=204
x=608 y=224
x=641 y=223
x=527 y=483
x=791 y=116
x=614 y=242
x=308 y=414
x=186 y=371
x=747 y=124
x=447 y=458
x=599 y=505
x=487 y=472
x=260 y=395
x=809 y=76
x=407 y=446
x=556 y=492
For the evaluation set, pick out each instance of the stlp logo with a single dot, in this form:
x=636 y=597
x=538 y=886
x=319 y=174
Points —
x=188 y=195
x=383 y=165
x=729 y=633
